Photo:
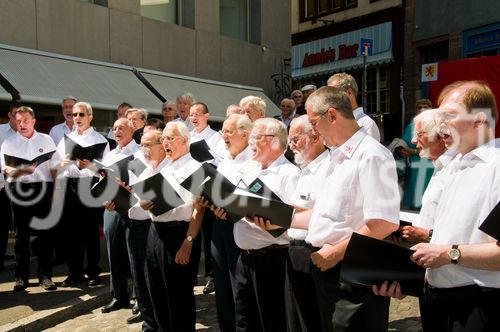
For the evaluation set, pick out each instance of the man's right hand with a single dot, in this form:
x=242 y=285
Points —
x=146 y=205
x=394 y=290
x=110 y=206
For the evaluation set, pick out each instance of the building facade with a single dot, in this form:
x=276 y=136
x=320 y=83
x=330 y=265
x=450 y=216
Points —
x=233 y=41
x=330 y=37
x=445 y=33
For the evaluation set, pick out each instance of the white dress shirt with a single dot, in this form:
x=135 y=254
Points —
x=29 y=148
x=118 y=153
x=58 y=131
x=443 y=168
x=5 y=132
x=310 y=182
x=361 y=184
x=136 y=212
x=281 y=177
x=88 y=138
x=187 y=122
x=470 y=195
x=367 y=123
x=176 y=172
x=234 y=169
x=213 y=139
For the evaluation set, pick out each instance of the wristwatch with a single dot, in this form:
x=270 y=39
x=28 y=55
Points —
x=454 y=254
x=189 y=238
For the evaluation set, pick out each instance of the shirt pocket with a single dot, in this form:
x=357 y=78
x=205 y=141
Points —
x=336 y=201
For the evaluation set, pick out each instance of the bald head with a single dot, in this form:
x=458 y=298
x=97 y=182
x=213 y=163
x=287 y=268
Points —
x=123 y=132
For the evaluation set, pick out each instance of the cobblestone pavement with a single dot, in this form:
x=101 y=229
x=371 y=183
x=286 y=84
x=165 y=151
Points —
x=404 y=316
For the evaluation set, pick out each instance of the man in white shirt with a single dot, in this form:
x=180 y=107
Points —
x=183 y=103
x=6 y=130
x=359 y=194
x=346 y=83
x=171 y=236
x=254 y=107
x=30 y=190
x=58 y=131
x=260 y=270
x=120 y=113
x=235 y=132
x=300 y=296
x=115 y=224
x=80 y=221
x=463 y=263
x=198 y=115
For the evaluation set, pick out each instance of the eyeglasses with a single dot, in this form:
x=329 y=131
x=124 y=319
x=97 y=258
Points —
x=80 y=114
x=295 y=140
x=226 y=132
x=254 y=138
x=168 y=138
x=297 y=96
x=148 y=146
x=314 y=122
x=418 y=134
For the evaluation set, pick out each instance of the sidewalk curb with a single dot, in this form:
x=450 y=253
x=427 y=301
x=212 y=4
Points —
x=70 y=309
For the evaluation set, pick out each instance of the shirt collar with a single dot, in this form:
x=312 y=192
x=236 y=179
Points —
x=202 y=133
x=352 y=143
x=358 y=113
x=180 y=162
x=244 y=155
x=444 y=159
x=86 y=132
x=274 y=166
x=486 y=152
x=313 y=166
x=130 y=148
x=19 y=136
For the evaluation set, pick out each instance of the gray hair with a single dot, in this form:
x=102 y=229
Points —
x=303 y=121
x=257 y=102
x=168 y=102
x=234 y=107
x=84 y=105
x=344 y=82
x=429 y=121
x=181 y=128
x=276 y=128
x=186 y=96
x=325 y=97
x=243 y=123
x=69 y=98
x=142 y=113
x=296 y=92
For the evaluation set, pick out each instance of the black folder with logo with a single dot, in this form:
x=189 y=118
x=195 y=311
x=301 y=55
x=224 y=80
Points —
x=13 y=161
x=369 y=261
x=157 y=189
x=76 y=151
x=200 y=151
x=239 y=203
x=491 y=225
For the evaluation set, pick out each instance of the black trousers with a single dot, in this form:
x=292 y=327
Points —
x=348 y=308
x=169 y=284
x=470 y=308
x=204 y=240
x=302 y=310
x=116 y=243
x=5 y=223
x=80 y=228
x=136 y=234
x=24 y=207
x=225 y=253
x=260 y=298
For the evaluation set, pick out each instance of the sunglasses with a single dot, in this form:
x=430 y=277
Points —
x=80 y=114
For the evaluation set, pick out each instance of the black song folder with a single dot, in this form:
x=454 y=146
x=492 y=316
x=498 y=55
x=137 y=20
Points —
x=157 y=189
x=491 y=225
x=16 y=161
x=119 y=169
x=200 y=151
x=108 y=189
x=369 y=261
x=76 y=151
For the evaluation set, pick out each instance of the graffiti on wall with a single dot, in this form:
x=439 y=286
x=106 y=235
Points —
x=282 y=81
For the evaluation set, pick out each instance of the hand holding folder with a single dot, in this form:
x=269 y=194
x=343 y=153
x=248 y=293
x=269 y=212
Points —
x=369 y=261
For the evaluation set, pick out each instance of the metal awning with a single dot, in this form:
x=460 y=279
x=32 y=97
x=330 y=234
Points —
x=46 y=78
x=217 y=95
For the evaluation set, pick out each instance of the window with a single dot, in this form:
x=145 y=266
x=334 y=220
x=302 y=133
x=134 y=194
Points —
x=161 y=10
x=240 y=19
x=434 y=52
x=103 y=3
x=310 y=9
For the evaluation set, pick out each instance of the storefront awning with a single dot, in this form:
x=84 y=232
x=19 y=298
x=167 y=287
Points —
x=343 y=51
x=46 y=78
x=217 y=95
